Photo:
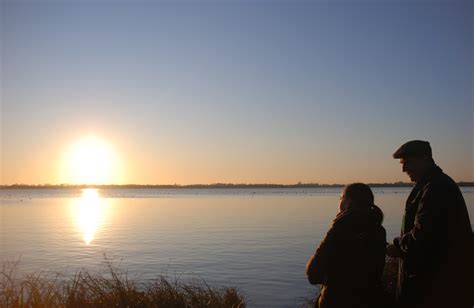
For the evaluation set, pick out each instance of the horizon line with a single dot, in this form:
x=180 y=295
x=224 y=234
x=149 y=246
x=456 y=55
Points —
x=216 y=185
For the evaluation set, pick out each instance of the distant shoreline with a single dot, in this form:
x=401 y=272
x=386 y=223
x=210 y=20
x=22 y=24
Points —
x=207 y=186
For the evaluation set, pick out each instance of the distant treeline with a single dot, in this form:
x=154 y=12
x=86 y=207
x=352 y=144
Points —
x=215 y=185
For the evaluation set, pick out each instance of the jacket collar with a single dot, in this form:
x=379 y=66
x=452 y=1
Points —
x=352 y=215
x=433 y=172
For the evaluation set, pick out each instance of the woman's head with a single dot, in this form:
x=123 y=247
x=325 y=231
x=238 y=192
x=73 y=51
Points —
x=357 y=195
x=360 y=196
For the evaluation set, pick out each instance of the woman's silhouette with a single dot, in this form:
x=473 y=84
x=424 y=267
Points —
x=349 y=261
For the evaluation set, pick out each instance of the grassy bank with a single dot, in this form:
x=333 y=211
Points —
x=112 y=287
x=108 y=288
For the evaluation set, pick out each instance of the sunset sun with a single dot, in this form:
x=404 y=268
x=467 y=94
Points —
x=91 y=160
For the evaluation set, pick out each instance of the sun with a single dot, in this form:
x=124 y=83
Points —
x=91 y=160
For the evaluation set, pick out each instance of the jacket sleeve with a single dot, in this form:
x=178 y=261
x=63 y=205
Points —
x=425 y=226
x=319 y=264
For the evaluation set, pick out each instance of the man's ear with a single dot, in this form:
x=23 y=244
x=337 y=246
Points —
x=428 y=159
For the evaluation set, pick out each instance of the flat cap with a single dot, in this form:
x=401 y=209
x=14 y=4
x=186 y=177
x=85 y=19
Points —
x=414 y=148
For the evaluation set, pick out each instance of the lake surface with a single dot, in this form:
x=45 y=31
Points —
x=258 y=240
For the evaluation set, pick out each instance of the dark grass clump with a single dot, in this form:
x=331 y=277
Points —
x=109 y=288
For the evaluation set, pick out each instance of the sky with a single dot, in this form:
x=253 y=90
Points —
x=228 y=91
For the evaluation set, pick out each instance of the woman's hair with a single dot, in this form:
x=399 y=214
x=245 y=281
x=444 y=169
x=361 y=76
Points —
x=362 y=197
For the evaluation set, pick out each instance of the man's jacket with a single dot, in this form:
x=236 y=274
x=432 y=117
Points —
x=436 y=245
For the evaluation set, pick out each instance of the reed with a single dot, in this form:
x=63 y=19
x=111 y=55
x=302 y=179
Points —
x=111 y=287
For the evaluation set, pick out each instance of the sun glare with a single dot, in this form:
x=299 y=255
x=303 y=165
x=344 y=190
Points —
x=89 y=213
x=91 y=161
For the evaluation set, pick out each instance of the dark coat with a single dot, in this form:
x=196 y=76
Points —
x=350 y=260
x=436 y=244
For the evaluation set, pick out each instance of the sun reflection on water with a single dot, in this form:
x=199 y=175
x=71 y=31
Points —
x=89 y=213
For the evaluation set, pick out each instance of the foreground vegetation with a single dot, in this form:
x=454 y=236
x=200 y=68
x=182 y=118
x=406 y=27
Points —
x=112 y=287
x=108 y=288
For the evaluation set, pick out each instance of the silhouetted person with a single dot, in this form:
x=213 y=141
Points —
x=349 y=261
x=435 y=246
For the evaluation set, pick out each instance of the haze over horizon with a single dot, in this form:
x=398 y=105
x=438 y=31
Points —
x=233 y=92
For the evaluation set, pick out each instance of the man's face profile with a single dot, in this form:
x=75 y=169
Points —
x=414 y=167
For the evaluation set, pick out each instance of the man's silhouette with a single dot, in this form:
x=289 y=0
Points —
x=435 y=246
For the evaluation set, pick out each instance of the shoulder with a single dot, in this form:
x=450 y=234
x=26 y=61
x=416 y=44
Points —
x=346 y=217
x=441 y=190
x=341 y=225
x=441 y=184
x=444 y=179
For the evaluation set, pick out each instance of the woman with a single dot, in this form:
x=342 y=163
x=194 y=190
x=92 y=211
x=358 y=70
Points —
x=349 y=261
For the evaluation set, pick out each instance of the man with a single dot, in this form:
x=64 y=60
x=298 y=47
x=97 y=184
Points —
x=435 y=246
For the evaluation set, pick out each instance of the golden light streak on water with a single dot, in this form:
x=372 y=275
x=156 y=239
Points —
x=89 y=213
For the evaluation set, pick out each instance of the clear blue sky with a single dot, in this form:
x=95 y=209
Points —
x=237 y=91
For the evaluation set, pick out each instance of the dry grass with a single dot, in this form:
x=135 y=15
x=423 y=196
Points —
x=108 y=288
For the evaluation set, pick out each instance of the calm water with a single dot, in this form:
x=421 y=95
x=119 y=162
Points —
x=255 y=239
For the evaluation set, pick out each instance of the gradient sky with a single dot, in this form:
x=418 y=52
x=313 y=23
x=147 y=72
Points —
x=242 y=92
